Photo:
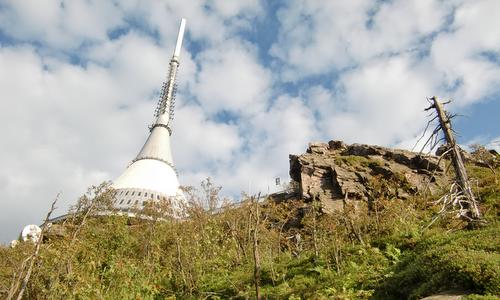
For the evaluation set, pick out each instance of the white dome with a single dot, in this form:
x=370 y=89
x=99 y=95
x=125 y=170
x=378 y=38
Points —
x=149 y=174
x=31 y=232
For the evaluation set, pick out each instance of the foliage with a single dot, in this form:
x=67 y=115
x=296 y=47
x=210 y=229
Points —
x=378 y=250
x=465 y=260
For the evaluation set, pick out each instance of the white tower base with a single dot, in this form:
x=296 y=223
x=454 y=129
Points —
x=147 y=180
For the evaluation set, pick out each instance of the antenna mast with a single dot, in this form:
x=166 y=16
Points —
x=164 y=112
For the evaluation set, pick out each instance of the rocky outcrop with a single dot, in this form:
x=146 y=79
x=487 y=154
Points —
x=335 y=172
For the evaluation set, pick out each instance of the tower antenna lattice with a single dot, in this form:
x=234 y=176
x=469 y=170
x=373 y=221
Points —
x=166 y=103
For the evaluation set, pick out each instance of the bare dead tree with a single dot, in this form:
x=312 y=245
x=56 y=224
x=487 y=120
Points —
x=31 y=259
x=460 y=195
x=255 y=238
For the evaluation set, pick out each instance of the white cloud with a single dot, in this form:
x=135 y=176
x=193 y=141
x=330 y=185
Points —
x=457 y=54
x=68 y=25
x=314 y=36
x=60 y=24
x=200 y=143
x=386 y=98
x=386 y=57
x=289 y=124
x=399 y=26
x=379 y=102
x=209 y=21
x=318 y=37
x=230 y=78
x=234 y=8
x=287 y=127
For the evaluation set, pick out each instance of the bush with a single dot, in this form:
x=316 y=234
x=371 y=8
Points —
x=463 y=261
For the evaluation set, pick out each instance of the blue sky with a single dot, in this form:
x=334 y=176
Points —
x=79 y=81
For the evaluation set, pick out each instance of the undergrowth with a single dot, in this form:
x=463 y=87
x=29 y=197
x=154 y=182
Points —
x=356 y=254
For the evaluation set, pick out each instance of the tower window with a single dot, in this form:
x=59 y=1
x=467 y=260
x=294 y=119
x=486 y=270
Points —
x=145 y=194
x=152 y=196
x=136 y=202
x=158 y=197
x=121 y=202
x=128 y=202
x=139 y=194
x=126 y=194
x=133 y=193
x=144 y=203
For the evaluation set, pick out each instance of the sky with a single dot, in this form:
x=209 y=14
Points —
x=258 y=80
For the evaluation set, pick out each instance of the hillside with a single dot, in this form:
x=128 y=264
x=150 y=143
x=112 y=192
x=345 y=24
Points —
x=358 y=223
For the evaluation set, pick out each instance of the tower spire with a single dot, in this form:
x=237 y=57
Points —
x=157 y=146
x=151 y=175
x=164 y=112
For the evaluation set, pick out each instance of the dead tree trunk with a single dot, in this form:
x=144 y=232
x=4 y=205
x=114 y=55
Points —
x=256 y=255
x=33 y=257
x=458 y=164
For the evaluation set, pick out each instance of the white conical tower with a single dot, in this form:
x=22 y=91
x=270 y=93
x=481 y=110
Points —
x=151 y=176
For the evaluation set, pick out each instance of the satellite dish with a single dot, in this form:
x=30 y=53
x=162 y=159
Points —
x=31 y=233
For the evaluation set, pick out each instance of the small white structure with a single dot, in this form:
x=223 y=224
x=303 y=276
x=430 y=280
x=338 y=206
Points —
x=31 y=233
x=151 y=176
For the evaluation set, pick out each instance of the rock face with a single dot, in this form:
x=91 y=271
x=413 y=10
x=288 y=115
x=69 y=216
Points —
x=335 y=172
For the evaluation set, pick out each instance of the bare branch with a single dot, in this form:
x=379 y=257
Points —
x=431 y=137
x=425 y=130
x=34 y=256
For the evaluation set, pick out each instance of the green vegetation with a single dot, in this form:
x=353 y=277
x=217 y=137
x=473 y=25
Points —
x=468 y=261
x=385 y=253
x=353 y=161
